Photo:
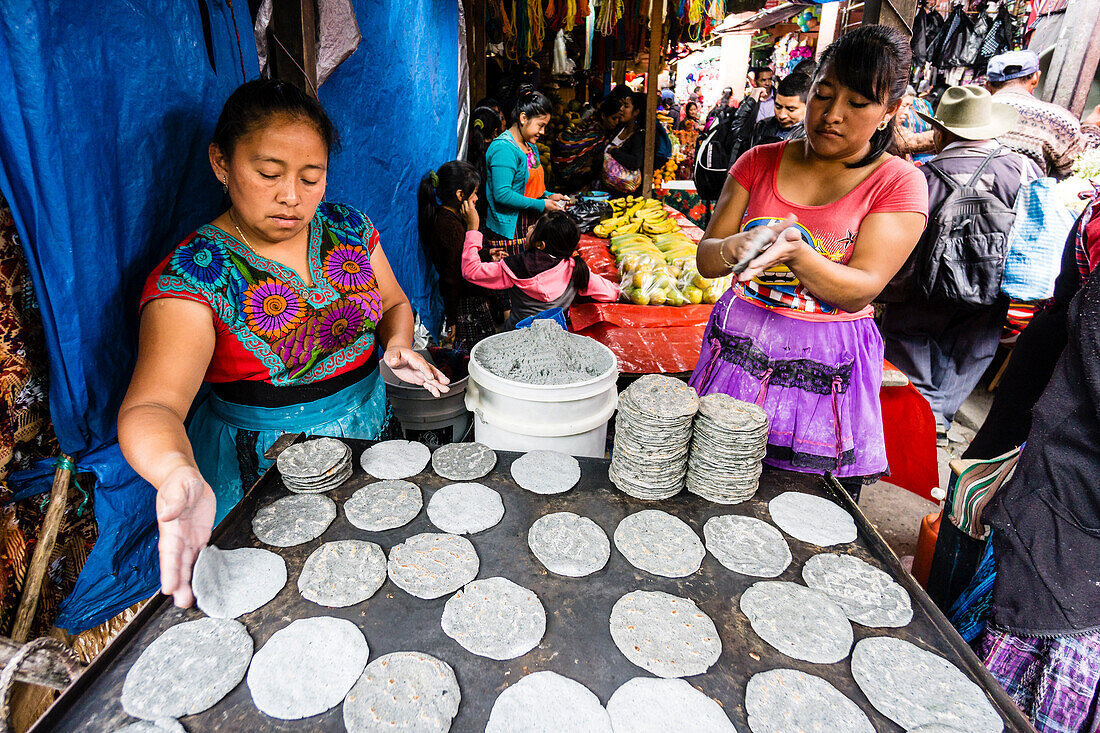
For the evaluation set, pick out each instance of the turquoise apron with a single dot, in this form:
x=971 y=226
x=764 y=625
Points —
x=230 y=439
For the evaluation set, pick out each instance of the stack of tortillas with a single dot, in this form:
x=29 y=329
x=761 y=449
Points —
x=730 y=439
x=652 y=433
x=315 y=466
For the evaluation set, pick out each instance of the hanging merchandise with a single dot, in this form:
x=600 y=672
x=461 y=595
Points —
x=610 y=13
x=950 y=44
x=926 y=26
x=998 y=39
x=562 y=65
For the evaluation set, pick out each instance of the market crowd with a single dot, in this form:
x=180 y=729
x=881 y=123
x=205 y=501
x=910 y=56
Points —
x=862 y=221
x=876 y=222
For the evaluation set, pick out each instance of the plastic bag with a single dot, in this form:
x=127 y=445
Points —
x=588 y=213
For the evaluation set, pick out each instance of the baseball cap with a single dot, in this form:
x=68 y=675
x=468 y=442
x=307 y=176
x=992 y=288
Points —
x=1013 y=65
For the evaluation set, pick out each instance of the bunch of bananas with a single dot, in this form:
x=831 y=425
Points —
x=633 y=215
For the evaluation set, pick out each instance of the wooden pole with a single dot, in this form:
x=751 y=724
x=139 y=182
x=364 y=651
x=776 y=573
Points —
x=475 y=49
x=292 y=43
x=1073 y=65
x=40 y=560
x=656 y=43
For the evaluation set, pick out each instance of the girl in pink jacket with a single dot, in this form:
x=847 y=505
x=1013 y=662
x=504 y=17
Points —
x=547 y=274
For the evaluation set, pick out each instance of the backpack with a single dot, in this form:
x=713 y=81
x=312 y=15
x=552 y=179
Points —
x=718 y=148
x=964 y=247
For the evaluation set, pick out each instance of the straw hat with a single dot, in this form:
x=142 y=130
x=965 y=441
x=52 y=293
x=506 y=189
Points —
x=971 y=113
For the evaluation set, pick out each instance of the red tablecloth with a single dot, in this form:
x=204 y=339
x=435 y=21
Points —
x=666 y=340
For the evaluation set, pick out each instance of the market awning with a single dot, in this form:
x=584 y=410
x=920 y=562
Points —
x=765 y=18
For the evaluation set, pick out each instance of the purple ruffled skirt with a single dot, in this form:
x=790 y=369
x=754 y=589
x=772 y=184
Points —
x=818 y=382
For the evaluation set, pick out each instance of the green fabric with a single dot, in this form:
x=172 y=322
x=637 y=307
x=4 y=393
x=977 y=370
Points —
x=507 y=167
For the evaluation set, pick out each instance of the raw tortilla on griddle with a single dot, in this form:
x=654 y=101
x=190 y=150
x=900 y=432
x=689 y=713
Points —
x=568 y=544
x=798 y=621
x=293 y=520
x=547 y=702
x=868 y=595
x=495 y=618
x=395 y=459
x=187 y=669
x=307 y=667
x=465 y=508
x=664 y=634
x=747 y=545
x=790 y=701
x=343 y=573
x=430 y=565
x=650 y=705
x=229 y=583
x=408 y=691
x=659 y=543
x=384 y=505
x=546 y=472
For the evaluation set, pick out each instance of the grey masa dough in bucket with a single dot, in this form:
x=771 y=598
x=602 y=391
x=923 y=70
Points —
x=465 y=508
x=787 y=700
x=430 y=564
x=812 y=519
x=917 y=689
x=463 y=461
x=657 y=542
x=307 y=667
x=384 y=505
x=747 y=545
x=568 y=544
x=408 y=691
x=229 y=583
x=187 y=669
x=547 y=702
x=544 y=354
x=868 y=595
x=654 y=705
x=798 y=621
x=664 y=634
x=546 y=472
x=495 y=618
x=343 y=573
x=395 y=459
x=293 y=520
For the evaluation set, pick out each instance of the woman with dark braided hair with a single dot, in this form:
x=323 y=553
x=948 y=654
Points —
x=814 y=229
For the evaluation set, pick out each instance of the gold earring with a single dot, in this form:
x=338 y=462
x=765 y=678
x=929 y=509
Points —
x=225 y=184
x=882 y=125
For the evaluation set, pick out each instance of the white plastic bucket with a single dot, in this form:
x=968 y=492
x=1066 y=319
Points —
x=569 y=418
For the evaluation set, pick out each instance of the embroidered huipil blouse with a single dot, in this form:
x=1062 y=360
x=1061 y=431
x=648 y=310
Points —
x=269 y=326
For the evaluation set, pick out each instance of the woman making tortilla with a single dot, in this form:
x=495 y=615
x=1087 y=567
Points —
x=839 y=216
x=281 y=304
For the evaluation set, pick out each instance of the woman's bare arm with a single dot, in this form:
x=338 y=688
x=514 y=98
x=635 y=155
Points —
x=881 y=248
x=175 y=344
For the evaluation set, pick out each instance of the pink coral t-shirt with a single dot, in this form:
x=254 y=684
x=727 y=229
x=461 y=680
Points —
x=896 y=185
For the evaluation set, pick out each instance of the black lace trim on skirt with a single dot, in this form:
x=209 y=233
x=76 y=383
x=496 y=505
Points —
x=804 y=374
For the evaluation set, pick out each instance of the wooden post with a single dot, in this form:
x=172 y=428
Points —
x=292 y=43
x=475 y=49
x=40 y=560
x=1073 y=65
x=656 y=44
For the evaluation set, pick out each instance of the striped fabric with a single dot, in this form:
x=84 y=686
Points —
x=974 y=488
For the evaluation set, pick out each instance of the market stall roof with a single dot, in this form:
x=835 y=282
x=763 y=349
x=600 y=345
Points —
x=763 y=19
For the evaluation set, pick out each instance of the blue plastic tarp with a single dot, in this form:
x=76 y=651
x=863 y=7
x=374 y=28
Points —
x=108 y=111
x=395 y=103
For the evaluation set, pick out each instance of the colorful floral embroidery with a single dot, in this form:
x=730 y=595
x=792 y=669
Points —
x=341 y=324
x=272 y=308
x=299 y=334
x=348 y=268
x=201 y=260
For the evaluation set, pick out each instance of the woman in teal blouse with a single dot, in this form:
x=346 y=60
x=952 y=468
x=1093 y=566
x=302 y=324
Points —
x=516 y=188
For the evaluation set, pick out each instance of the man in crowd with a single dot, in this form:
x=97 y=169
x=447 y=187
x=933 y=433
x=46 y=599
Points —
x=942 y=343
x=763 y=80
x=1046 y=133
x=671 y=108
x=790 y=109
